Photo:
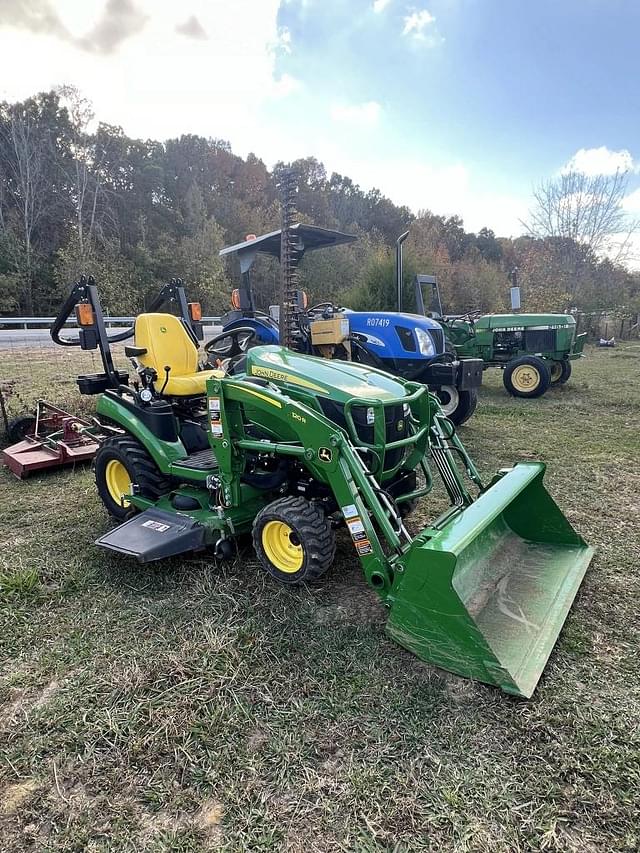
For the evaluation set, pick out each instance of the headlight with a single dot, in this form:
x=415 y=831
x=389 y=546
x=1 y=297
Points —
x=425 y=343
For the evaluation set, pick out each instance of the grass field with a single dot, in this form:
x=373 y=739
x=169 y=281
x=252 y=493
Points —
x=191 y=706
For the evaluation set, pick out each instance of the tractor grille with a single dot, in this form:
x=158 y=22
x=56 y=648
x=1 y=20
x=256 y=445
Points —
x=540 y=340
x=437 y=336
x=395 y=427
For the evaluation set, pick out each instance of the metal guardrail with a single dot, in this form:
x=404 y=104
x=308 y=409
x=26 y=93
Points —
x=34 y=322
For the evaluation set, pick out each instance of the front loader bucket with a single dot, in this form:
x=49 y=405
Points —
x=487 y=595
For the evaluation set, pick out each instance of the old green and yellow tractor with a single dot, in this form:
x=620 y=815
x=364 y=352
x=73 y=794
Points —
x=288 y=448
x=534 y=350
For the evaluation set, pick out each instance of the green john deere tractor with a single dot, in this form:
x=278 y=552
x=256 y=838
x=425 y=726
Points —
x=534 y=350
x=288 y=448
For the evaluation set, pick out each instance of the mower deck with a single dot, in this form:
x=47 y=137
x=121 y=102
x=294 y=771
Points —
x=58 y=438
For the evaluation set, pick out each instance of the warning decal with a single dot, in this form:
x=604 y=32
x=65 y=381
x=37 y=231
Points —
x=156 y=525
x=363 y=548
x=356 y=529
x=215 y=418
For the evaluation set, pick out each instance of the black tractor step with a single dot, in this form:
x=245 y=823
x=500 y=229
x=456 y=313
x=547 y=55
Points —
x=153 y=535
x=203 y=460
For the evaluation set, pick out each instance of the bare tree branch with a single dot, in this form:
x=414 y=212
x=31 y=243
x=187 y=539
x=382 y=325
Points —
x=585 y=209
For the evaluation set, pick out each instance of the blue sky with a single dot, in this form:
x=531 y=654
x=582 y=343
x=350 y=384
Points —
x=459 y=106
x=507 y=92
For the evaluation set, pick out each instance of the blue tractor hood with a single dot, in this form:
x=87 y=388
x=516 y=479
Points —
x=398 y=335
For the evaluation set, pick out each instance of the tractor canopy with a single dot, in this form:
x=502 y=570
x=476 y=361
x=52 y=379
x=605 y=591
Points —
x=307 y=238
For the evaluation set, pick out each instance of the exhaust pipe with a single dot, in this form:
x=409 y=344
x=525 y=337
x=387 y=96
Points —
x=399 y=270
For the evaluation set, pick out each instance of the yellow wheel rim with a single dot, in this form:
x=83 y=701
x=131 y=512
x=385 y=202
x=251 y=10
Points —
x=525 y=378
x=118 y=480
x=556 y=371
x=285 y=554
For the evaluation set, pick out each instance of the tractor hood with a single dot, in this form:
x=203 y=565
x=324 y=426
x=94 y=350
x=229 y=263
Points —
x=339 y=380
x=377 y=318
x=395 y=335
x=528 y=321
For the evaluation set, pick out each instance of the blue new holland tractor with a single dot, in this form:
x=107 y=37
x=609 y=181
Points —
x=408 y=345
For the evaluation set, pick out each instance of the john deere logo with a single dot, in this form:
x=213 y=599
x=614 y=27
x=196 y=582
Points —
x=325 y=454
x=400 y=425
x=163 y=329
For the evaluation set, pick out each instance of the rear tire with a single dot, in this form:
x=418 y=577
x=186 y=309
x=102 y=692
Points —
x=19 y=427
x=560 y=371
x=119 y=462
x=457 y=405
x=294 y=540
x=527 y=377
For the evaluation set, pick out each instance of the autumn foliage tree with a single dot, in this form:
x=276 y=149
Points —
x=78 y=195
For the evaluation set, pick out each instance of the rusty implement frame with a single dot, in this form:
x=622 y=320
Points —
x=57 y=438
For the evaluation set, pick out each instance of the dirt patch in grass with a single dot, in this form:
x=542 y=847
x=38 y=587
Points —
x=13 y=796
x=22 y=701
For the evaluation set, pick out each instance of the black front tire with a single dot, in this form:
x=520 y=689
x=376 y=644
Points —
x=560 y=371
x=294 y=540
x=528 y=377
x=457 y=405
x=140 y=469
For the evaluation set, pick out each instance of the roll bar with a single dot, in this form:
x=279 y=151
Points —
x=92 y=333
x=84 y=291
x=435 y=303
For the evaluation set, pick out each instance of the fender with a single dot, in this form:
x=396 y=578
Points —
x=266 y=328
x=125 y=415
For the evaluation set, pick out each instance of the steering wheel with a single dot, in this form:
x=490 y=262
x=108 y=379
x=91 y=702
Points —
x=237 y=343
x=320 y=305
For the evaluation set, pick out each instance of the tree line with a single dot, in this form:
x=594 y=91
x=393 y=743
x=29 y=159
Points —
x=78 y=196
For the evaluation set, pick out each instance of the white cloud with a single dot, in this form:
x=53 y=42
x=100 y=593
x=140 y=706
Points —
x=284 y=86
x=447 y=189
x=631 y=202
x=450 y=189
x=160 y=84
x=416 y=23
x=283 y=41
x=380 y=5
x=599 y=161
x=367 y=113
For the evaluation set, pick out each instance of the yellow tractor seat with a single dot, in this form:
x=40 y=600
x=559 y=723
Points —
x=167 y=344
